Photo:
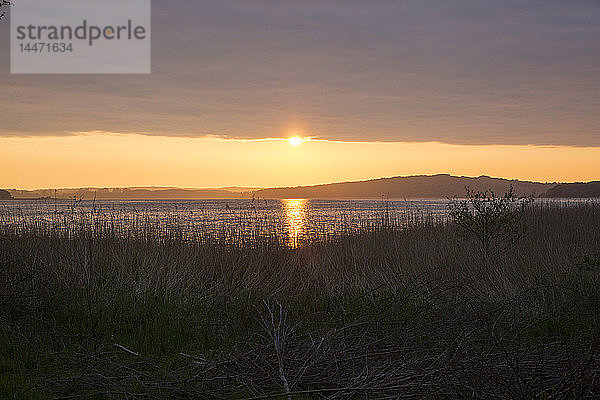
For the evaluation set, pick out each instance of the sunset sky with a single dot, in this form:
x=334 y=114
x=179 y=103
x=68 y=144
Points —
x=382 y=87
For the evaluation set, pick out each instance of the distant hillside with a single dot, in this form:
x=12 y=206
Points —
x=414 y=187
x=410 y=187
x=130 y=194
x=574 y=190
x=4 y=195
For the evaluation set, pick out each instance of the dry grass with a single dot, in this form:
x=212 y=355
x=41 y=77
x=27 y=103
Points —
x=390 y=312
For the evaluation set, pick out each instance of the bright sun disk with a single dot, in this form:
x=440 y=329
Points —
x=295 y=141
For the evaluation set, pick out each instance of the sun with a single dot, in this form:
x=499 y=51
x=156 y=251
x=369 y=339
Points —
x=295 y=141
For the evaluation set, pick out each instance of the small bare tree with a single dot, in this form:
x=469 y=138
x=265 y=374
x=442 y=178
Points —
x=495 y=222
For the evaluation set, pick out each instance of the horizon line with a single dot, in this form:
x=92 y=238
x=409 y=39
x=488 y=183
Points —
x=254 y=189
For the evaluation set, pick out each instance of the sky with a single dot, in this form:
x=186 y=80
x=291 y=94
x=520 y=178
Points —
x=383 y=88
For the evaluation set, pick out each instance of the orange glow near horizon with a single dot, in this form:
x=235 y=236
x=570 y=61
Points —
x=121 y=160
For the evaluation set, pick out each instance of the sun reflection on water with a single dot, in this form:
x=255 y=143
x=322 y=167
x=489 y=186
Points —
x=295 y=219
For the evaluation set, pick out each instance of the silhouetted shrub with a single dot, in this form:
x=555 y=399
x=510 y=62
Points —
x=495 y=222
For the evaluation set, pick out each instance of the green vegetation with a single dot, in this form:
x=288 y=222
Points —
x=388 y=313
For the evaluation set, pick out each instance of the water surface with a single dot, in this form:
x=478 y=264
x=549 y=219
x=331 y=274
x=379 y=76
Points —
x=291 y=221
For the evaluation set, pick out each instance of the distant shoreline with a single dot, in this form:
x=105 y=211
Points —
x=411 y=187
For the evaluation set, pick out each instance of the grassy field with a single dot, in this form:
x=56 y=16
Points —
x=417 y=312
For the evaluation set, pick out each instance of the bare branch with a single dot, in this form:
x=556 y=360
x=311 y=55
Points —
x=5 y=3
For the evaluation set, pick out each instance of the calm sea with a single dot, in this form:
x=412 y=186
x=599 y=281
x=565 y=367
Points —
x=292 y=221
